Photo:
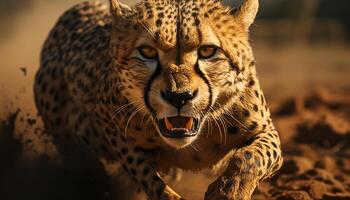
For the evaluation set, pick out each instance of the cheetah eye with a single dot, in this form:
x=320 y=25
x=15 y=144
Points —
x=207 y=51
x=148 y=52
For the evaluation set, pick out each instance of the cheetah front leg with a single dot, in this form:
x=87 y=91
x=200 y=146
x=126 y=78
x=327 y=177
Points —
x=249 y=164
x=108 y=141
x=140 y=167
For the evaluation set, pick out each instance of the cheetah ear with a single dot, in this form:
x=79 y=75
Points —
x=246 y=13
x=119 y=9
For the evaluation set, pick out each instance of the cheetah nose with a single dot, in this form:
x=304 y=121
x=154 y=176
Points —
x=178 y=99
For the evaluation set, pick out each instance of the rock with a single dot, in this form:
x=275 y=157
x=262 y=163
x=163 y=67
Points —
x=328 y=163
x=288 y=107
x=345 y=196
x=317 y=189
x=293 y=195
x=295 y=165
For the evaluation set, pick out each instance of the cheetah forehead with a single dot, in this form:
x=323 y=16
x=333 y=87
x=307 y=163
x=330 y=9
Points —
x=183 y=22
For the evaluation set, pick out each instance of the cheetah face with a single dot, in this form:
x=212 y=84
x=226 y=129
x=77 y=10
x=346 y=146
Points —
x=177 y=64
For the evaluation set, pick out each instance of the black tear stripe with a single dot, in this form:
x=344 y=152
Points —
x=206 y=80
x=148 y=88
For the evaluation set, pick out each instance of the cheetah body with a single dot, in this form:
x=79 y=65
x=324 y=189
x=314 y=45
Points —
x=90 y=87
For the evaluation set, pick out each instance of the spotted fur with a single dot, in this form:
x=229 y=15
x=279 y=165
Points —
x=94 y=87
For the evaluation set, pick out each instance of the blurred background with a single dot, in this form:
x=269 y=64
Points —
x=299 y=44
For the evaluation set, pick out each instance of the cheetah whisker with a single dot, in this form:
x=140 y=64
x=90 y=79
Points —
x=218 y=125
x=225 y=128
x=235 y=119
x=240 y=123
x=120 y=109
x=138 y=109
x=192 y=145
x=148 y=30
x=210 y=127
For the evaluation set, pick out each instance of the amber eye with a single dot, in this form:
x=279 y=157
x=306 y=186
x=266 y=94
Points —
x=148 y=52
x=207 y=51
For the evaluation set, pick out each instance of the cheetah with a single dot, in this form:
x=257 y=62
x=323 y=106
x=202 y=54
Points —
x=159 y=85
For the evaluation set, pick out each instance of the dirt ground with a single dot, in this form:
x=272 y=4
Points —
x=315 y=131
x=315 y=134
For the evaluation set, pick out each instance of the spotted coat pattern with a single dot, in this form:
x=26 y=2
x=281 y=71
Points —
x=91 y=87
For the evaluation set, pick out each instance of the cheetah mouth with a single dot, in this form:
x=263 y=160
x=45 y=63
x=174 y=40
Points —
x=179 y=126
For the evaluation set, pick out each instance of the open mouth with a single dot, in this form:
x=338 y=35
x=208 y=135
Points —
x=179 y=126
